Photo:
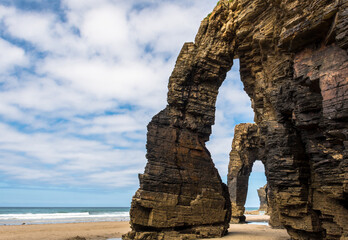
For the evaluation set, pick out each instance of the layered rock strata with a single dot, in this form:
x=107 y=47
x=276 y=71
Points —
x=248 y=146
x=262 y=193
x=294 y=65
x=245 y=151
x=181 y=195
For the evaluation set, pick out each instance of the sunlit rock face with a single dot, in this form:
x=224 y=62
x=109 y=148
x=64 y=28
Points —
x=245 y=151
x=248 y=146
x=262 y=193
x=294 y=67
x=181 y=195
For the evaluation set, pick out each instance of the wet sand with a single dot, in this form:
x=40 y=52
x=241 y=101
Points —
x=105 y=230
x=63 y=231
x=254 y=232
x=257 y=218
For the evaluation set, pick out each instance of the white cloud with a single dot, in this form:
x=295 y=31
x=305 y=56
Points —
x=11 y=56
x=115 y=178
x=42 y=30
x=32 y=27
x=233 y=107
x=56 y=158
x=165 y=28
x=125 y=82
x=114 y=124
x=44 y=97
x=28 y=174
x=258 y=167
x=79 y=116
x=220 y=146
x=106 y=27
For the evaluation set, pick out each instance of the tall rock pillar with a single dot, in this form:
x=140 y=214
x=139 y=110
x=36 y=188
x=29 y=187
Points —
x=262 y=193
x=181 y=195
x=294 y=67
x=245 y=151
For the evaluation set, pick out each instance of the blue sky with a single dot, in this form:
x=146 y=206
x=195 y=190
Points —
x=79 y=81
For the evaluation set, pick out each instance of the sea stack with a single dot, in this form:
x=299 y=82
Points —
x=294 y=67
x=262 y=192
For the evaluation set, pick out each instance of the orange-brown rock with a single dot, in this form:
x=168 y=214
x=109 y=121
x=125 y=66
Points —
x=294 y=65
x=245 y=151
x=262 y=193
x=248 y=146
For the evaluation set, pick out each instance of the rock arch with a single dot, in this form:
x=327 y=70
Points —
x=294 y=66
x=247 y=147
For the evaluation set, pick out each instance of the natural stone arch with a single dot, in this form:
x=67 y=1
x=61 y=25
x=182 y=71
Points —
x=247 y=147
x=294 y=67
x=181 y=194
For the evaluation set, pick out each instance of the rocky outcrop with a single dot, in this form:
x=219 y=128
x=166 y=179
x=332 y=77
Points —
x=294 y=68
x=181 y=195
x=294 y=65
x=273 y=210
x=262 y=192
x=248 y=146
x=245 y=151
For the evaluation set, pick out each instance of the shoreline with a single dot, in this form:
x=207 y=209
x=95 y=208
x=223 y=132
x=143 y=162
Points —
x=114 y=230
x=29 y=222
x=64 y=231
x=25 y=222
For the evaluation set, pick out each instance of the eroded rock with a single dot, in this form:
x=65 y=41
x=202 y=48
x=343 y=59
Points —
x=262 y=192
x=293 y=64
x=181 y=195
x=245 y=151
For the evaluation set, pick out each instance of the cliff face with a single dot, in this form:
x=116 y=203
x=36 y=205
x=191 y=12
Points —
x=294 y=66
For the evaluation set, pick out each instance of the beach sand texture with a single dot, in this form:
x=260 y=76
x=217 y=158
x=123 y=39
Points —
x=254 y=232
x=105 y=230
x=63 y=231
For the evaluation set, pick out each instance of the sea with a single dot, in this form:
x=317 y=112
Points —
x=47 y=215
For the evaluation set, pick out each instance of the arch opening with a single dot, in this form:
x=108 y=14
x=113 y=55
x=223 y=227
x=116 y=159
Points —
x=233 y=106
x=299 y=134
x=256 y=199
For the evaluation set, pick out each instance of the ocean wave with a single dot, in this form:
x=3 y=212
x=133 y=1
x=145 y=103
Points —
x=123 y=214
x=79 y=215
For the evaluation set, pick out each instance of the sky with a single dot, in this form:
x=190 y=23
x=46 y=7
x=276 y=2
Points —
x=79 y=82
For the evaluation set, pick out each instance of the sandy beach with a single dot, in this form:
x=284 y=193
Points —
x=257 y=218
x=106 y=230
x=63 y=231
x=254 y=232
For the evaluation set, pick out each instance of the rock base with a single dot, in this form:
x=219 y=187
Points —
x=184 y=234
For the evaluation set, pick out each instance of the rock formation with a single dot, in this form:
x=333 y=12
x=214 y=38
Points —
x=245 y=151
x=247 y=147
x=294 y=67
x=262 y=192
x=181 y=194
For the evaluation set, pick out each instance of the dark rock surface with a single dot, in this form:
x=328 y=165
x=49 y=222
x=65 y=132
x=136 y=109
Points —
x=181 y=195
x=248 y=146
x=245 y=151
x=294 y=67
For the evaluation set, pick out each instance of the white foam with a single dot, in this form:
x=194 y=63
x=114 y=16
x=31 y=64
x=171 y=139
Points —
x=52 y=216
